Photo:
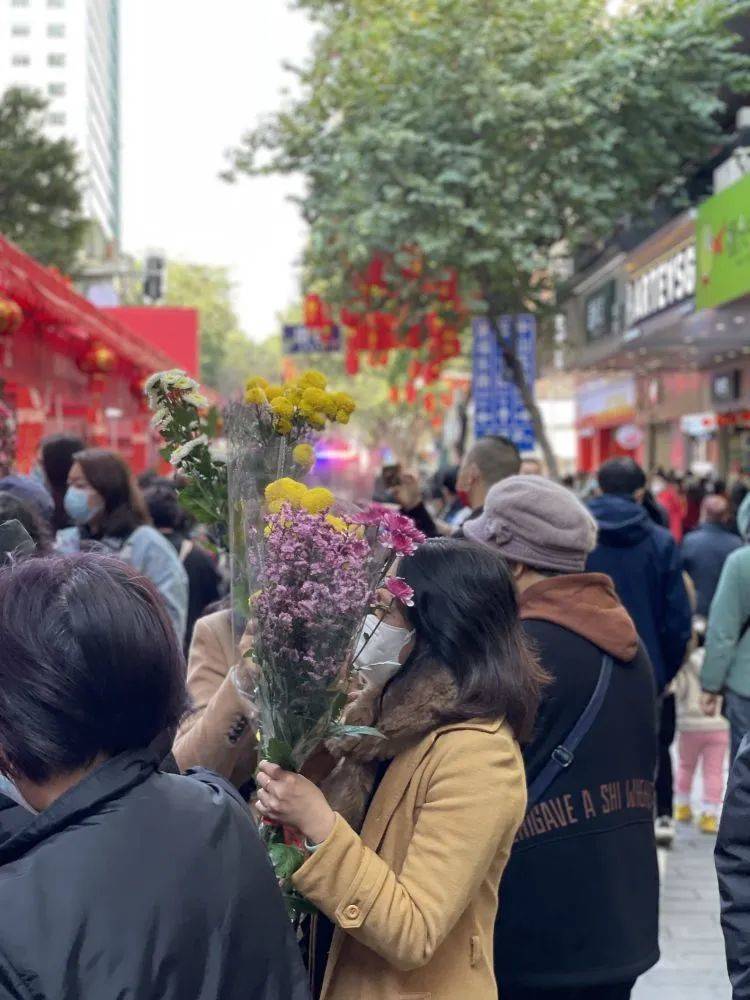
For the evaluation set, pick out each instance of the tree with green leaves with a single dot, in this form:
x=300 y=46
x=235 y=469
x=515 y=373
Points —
x=40 y=183
x=495 y=137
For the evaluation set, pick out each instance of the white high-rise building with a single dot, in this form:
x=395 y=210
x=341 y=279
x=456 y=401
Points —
x=69 y=50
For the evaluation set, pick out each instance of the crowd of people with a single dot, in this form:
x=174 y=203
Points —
x=497 y=831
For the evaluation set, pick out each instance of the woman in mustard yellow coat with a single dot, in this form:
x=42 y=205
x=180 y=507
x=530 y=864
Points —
x=409 y=835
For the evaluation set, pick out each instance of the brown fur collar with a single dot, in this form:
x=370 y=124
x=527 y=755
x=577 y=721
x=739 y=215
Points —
x=413 y=705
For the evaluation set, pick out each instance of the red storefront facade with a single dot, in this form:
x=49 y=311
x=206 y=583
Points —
x=68 y=366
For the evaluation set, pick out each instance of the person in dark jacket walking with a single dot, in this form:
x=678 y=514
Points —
x=578 y=907
x=705 y=550
x=733 y=869
x=645 y=565
x=128 y=881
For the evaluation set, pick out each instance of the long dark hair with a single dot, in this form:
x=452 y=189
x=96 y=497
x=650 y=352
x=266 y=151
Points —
x=124 y=506
x=465 y=617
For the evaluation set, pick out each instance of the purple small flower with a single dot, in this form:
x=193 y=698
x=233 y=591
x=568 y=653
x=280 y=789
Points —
x=400 y=590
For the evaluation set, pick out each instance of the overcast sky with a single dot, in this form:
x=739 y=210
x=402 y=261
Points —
x=195 y=73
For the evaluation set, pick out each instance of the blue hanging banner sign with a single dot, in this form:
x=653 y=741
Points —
x=498 y=407
x=300 y=339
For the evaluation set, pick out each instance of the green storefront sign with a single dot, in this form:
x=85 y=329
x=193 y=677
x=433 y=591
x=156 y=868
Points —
x=723 y=239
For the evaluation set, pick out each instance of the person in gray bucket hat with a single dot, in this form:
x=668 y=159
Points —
x=579 y=899
x=536 y=522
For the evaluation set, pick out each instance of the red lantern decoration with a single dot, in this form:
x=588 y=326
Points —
x=393 y=394
x=316 y=314
x=98 y=360
x=11 y=317
x=429 y=402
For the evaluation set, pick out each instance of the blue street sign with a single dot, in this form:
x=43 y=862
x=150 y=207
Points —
x=301 y=339
x=498 y=407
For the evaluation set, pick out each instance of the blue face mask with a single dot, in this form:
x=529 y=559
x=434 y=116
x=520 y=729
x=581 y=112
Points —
x=78 y=505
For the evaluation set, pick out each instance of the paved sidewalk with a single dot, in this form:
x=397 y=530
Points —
x=692 y=963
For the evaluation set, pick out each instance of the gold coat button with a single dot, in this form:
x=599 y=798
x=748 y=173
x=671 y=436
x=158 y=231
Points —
x=351 y=912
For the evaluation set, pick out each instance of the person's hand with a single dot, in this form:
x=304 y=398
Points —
x=407 y=493
x=709 y=703
x=291 y=800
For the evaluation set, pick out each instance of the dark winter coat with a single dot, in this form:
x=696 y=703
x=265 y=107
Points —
x=704 y=552
x=579 y=897
x=645 y=564
x=733 y=868
x=138 y=884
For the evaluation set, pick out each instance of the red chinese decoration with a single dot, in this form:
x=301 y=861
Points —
x=11 y=317
x=98 y=360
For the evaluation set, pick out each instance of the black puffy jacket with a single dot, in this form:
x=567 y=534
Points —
x=733 y=868
x=141 y=885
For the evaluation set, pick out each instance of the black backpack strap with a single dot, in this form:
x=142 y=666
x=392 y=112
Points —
x=562 y=756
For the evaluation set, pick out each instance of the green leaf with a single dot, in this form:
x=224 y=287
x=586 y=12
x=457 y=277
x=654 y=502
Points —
x=279 y=752
x=286 y=859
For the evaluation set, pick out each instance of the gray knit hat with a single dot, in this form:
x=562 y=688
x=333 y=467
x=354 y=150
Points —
x=533 y=521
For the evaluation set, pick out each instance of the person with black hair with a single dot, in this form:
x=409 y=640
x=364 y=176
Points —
x=203 y=577
x=490 y=460
x=55 y=459
x=644 y=562
x=409 y=834
x=152 y=884
x=108 y=509
x=13 y=509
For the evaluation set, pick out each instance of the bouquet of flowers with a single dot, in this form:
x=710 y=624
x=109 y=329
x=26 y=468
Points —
x=310 y=569
x=186 y=422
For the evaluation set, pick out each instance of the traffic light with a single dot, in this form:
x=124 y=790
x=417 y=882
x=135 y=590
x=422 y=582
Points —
x=154 y=277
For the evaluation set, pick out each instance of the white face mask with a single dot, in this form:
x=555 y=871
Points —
x=378 y=649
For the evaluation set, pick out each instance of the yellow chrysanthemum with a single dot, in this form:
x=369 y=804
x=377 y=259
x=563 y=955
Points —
x=330 y=406
x=317 y=500
x=344 y=402
x=304 y=456
x=282 y=407
x=256 y=382
x=272 y=391
x=316 y=420
x=337 y=523
x=292 y=392
x=314 y=398
x=254 y=394
x=282 y=491
x=283 y=426
x=342 y=417
x=312 y=379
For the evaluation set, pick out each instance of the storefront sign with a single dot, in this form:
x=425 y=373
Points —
x=606 y=403
x=698 y=424
x=599 y=310
x=301 y=339
x=724 y=246
x=660 y=285
x=629 y=437
x=725 y=386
